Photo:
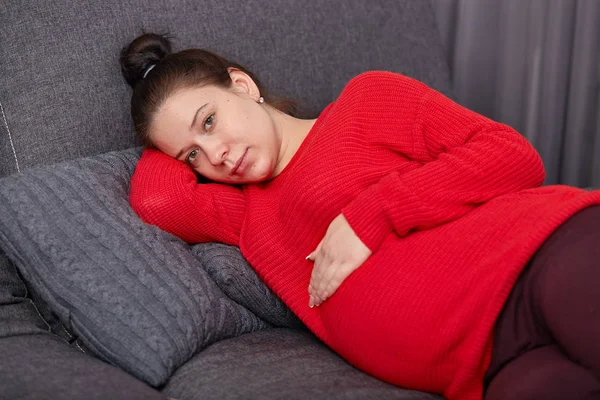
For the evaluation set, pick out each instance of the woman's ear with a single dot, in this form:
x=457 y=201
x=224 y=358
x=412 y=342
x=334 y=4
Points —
x=241 y=82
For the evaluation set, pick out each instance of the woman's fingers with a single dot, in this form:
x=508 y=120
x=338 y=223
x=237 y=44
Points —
x=319 y=268
x=329 y=270
x=338 y=254
x=325 y=278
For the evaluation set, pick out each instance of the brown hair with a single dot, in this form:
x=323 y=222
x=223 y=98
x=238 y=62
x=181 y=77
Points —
x=166 y=72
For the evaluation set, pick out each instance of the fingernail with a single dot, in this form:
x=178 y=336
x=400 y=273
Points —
x=308 y=256
x=313 y=301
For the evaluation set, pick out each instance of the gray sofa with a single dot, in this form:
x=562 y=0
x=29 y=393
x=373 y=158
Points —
x=65 y=129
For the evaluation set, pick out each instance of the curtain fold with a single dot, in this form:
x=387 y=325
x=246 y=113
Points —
x=534 y=65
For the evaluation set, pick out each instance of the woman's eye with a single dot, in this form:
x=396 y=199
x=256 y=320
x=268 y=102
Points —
x=208 y=122
x=192 y=156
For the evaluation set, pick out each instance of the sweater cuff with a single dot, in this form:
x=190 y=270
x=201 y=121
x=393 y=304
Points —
x=367 y=218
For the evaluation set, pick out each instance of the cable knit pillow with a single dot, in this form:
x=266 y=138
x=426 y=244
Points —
x=236 y=278
x=135 y=295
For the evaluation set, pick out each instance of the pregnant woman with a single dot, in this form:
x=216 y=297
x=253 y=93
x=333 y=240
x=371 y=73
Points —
x=409 y=233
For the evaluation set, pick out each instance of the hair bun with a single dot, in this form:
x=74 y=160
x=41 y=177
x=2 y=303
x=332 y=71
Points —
x=141 y=53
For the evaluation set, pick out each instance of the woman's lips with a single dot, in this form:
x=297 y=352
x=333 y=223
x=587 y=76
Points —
x=240 y=166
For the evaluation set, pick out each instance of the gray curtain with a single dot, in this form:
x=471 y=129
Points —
x=534 y=65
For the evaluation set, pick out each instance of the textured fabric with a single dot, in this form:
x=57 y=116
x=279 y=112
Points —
x=43 y=367
x=555 y=302
x=64 y=97
x=133 y=294
x=236 y=278
x=23 y=312
x=30 y=332
x=18 y=315
x=277 y=364
x=451 y=209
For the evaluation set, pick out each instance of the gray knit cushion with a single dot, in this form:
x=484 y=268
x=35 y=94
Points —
x=133 y=294
x=63 y=97
x=236 y=278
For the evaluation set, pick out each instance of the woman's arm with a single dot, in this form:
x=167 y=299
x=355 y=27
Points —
x=467 y=160
x=165 y=192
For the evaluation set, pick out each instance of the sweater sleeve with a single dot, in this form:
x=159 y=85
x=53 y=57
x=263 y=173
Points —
x=465 y=160
x=164 y=192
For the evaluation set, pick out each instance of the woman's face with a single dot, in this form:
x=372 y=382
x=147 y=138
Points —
x=223 y=134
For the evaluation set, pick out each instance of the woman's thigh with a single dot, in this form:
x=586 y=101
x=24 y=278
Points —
x=544 y=373
x=567 y=289
x=555 y=301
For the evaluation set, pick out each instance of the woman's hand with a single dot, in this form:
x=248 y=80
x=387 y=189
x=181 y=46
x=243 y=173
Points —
x=336 y=257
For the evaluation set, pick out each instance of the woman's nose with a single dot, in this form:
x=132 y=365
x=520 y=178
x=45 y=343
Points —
x=218 y=155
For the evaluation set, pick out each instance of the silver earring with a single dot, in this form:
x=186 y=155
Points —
x=261 y=100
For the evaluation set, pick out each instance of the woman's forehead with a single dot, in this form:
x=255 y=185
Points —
x=188 y=98
x=169 y=134
x=175 y=116
x=182 y=105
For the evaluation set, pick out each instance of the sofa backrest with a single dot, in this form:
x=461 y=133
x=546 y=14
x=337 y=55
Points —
x=62 y=95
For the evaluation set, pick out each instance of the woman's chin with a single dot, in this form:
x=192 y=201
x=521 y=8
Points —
x=245 y=179
x=256 y=174
x=254 y=178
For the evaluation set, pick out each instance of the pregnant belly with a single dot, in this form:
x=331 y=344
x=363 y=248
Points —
x=417 y=305
x=386 y=317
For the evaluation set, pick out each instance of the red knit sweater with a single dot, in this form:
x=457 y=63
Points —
x=448 y=201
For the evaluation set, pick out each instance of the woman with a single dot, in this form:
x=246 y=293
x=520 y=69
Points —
x=435 y=259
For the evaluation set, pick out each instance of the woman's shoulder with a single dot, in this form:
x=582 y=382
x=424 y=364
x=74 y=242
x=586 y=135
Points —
x=383 y=80
x=377 y=85
x=379 y=92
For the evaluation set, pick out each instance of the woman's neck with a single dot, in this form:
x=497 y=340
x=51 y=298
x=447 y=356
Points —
x=292 y=132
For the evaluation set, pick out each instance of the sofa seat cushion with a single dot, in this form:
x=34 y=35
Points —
x=278 y=363
x=42 y=366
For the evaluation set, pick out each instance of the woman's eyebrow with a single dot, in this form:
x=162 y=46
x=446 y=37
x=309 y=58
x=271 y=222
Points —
x=196 y=116
x=191 y=126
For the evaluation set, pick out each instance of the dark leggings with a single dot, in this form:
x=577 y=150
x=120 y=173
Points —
x=547 y=337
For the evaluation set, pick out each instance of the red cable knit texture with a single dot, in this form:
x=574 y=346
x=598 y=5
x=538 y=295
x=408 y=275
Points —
x=448 y=200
